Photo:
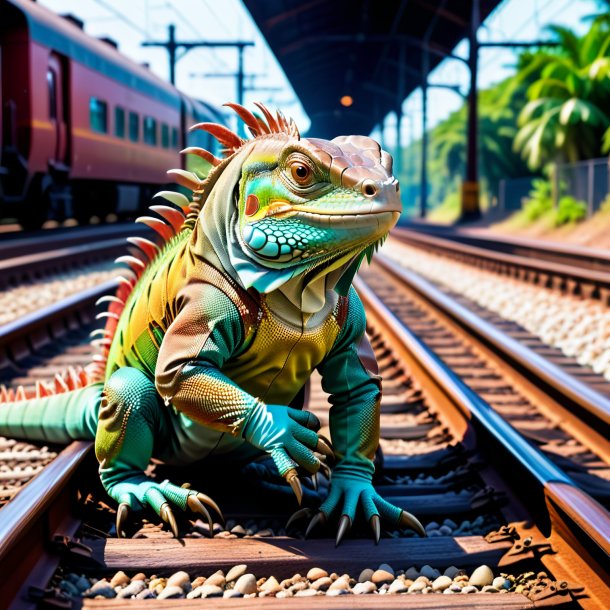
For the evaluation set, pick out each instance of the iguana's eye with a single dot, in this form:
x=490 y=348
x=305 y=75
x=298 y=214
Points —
x=301 y=173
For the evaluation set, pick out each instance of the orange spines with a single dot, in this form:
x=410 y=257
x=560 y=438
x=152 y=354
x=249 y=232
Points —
x=162 y=228
x=42 y=390
x=273 y=126
x=256 y=126
x=147 y=247
x=223 y=134
x=203 y=153
x=60 y=384
x=186 y=179
x=135 y=264
x=174 y=217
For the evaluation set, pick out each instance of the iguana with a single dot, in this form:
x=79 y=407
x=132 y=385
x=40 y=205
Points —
x=213 y=334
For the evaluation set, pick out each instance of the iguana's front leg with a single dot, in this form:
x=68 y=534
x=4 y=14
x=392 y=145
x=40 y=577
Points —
x=132 y=419
x=355 y=394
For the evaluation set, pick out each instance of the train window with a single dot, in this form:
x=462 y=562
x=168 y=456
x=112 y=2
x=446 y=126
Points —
x=134 y=126
x=52 y=87
x=165 y=135
x=119 y=122
x=175 y=137
x=98 y=115
x=150 y=131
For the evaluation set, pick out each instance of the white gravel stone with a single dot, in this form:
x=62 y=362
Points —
x=482 y=576
x=246 y=584
x=470 y=589
x=364 y=588
x=441 y=583
x=171 y=592
x=316 y=573
x=499 y=582
x=235 y=572
x=417 y=587
x=231 y=593
x=180 y=579
x=398 y=586
x=321 y=584
x=132 y=589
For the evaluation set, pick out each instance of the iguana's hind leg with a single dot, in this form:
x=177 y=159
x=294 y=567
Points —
x=132 y=419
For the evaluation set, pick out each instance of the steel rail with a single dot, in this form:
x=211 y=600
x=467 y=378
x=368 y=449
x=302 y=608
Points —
x=571 y=254
x=599 y=278
x=26 y=507
x=11 y=269
x=591 y=401
x=13 y=245
x=26 y=325
x=589 y=519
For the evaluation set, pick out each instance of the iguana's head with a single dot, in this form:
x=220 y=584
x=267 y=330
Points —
x=280 y=205
x=307 y=200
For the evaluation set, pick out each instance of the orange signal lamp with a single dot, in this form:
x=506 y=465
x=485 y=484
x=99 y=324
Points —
x=346 y=101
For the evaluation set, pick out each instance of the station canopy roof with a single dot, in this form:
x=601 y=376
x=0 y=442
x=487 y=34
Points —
x=335 y=48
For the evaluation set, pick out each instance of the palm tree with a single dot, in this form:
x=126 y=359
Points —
x=568 y=109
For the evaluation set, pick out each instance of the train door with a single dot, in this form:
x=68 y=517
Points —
x=58 y=111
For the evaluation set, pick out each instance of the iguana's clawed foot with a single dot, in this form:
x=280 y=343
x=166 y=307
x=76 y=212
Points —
x=134 y=494
x=349 y=493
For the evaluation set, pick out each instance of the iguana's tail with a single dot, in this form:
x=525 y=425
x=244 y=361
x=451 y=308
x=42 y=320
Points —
x=58 y=418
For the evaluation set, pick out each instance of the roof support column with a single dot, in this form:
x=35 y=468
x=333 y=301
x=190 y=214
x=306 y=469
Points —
x=470 y=187
x=423 y=182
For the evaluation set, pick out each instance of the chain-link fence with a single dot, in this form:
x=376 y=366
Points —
x=587 y=181
x=513 y=191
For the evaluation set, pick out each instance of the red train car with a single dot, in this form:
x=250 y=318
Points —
x=84 y=130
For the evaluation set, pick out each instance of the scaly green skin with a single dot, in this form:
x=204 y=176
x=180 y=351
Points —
x=224 y=327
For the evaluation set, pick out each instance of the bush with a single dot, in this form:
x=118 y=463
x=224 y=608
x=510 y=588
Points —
x=539 y=201
x=569 y=210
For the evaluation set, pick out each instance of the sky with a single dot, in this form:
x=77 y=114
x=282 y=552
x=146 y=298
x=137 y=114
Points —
x=131 y=23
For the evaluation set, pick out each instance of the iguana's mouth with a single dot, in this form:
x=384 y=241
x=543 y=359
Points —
x=281 y=210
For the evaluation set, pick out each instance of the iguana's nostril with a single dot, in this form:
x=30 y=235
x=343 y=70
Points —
x=369 y=189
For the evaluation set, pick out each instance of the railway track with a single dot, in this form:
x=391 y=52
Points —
x=573 y=255
x=568 y=269
x=497 y=509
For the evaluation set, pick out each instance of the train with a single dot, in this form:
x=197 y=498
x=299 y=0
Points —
x=84 y=130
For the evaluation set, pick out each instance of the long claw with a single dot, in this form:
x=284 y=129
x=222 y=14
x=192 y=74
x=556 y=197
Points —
x=302 y=512
x=121 y=517
x=408 y=520
x=318 y=519
x=207 y=500
x=376 y=527
x=196 y=506
x=325 y=470
x=345 y=523
x=323 y=448
x=314 y=481
x=293 y=480
x=167 y=515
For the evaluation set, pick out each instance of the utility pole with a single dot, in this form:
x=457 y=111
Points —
x=172 y=45
x=242 y=87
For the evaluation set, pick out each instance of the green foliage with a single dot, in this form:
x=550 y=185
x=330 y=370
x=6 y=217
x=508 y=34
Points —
x=539 y=202
x=567 y=116
x=569 y=210
x=555 y=108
